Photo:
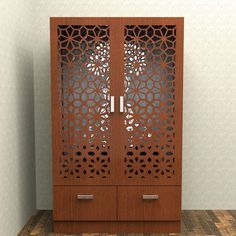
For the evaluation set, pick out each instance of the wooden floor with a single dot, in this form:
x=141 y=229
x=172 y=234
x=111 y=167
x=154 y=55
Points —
x=193 y=223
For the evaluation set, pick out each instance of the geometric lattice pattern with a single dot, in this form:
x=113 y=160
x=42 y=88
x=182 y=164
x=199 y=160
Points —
x=150 y=57
x=84 y=85
x=150 y=161
x=80 y=162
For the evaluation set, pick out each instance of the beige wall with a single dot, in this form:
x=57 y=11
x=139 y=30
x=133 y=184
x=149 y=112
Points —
x=17 y=174
x=209 y=137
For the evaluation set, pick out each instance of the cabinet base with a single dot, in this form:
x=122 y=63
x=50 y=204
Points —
x=117 y=227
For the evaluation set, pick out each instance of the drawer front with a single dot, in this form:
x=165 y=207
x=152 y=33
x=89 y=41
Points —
x=84 y=203
x=149 y=203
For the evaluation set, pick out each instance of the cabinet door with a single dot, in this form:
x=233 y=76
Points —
x=152 y=61
x=81 y=100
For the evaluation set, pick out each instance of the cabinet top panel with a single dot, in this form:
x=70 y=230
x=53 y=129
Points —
x=121 y=20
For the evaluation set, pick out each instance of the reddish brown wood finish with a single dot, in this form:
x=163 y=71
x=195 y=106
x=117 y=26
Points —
x=58 y=80
x=143 y=178
x=129 y=213
x=118 y=140
x=132 y=206
x=117 y=227
x=68 y=208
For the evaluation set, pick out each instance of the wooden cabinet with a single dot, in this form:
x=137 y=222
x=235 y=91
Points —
x=117 y=124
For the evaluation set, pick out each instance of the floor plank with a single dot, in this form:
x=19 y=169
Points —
x=194 y=223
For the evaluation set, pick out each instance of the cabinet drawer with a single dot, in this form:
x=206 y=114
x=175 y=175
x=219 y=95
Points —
x=149 y=203
x=84 y=203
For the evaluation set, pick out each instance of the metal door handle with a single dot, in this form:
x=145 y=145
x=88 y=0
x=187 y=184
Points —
x=121 y=103
x=112 y=104
x=150 y=197
x=85 y=196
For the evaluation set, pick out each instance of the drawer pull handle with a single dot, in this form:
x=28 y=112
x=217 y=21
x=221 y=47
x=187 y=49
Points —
x=150 y=197
x=85 y=196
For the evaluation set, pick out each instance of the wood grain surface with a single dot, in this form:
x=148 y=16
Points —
x=68 y=207
x=219 y=222
x=132 y=206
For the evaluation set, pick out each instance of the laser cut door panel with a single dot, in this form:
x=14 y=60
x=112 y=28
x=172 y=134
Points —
x=81 y=90
x=152 y=103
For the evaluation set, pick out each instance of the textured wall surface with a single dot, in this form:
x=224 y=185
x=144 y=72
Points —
x=17 y=175
x=209 y=125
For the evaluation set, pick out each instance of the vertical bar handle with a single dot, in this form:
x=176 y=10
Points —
x=121 y=103
x=112 y=104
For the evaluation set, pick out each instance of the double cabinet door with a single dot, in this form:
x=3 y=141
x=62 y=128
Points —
x=116 y=116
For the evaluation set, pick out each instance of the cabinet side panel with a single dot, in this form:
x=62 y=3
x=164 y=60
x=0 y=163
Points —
x=54 y=98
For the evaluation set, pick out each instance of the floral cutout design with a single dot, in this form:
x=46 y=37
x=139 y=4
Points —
x=150 y=100
x=84 y=85
x=150 y=162
x=99 y=60
x=135 y=59
x=79 y=162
